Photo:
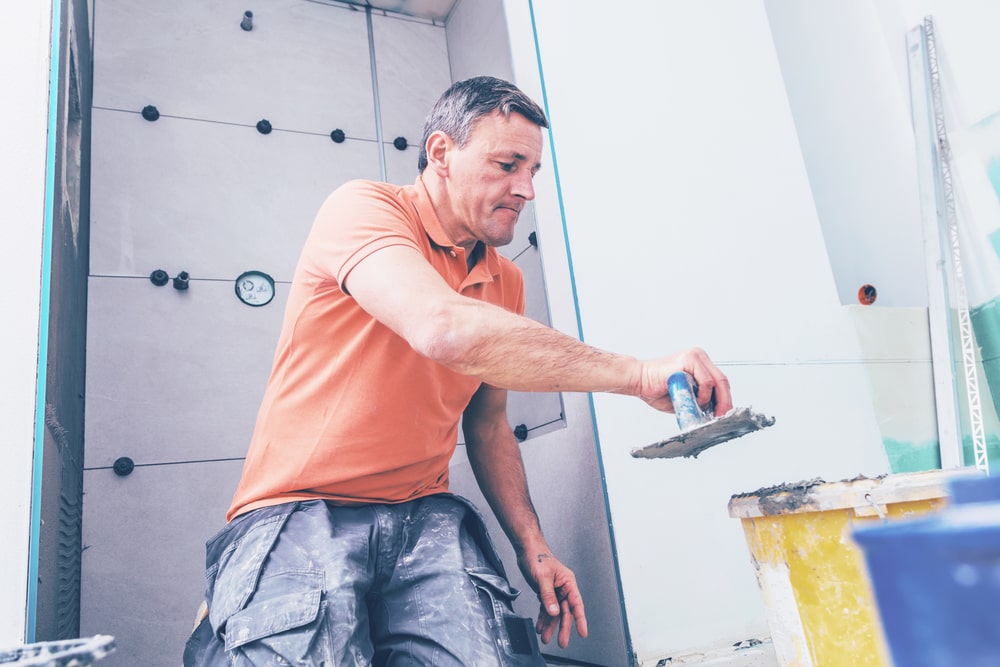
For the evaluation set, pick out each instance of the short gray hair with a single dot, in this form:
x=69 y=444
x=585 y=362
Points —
x=467 y=101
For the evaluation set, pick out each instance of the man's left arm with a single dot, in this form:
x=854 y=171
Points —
x=496 y=461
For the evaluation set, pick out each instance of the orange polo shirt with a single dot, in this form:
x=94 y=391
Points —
x=351 y=413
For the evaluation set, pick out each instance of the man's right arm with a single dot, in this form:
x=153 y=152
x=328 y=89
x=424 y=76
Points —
x=397 y=287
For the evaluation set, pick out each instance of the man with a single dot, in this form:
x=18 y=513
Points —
x=343 y=545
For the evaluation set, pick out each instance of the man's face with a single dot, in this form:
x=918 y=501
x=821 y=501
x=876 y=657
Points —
x=489 y=179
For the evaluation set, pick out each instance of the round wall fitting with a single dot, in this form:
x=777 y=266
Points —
x=867 y=294
x=255 y=288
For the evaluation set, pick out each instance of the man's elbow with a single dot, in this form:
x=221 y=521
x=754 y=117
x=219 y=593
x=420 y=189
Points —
x=446 y=337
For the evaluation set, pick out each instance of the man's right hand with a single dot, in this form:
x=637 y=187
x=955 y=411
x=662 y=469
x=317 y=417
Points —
x=713 y=385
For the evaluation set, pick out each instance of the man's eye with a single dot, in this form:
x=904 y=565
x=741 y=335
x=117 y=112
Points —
x=507 y=166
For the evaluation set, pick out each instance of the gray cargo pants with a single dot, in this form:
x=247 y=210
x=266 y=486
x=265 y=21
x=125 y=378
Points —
x=312 y=583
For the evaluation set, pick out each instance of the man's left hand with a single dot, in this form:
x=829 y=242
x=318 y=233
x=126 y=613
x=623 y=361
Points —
x=560 y=601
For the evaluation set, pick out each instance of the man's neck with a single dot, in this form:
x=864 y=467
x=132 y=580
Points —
x=450 y=223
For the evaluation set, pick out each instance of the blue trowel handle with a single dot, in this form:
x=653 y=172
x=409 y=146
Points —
x=682 y=395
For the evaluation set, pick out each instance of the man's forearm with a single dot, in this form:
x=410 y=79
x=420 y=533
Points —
x=517 y=353
x=496 y=461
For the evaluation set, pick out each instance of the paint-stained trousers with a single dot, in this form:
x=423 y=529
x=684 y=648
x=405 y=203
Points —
x=312 y=583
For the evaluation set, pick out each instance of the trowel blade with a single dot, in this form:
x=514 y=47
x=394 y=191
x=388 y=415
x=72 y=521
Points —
x=692 y=442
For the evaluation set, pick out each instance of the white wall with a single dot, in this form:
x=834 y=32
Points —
x=844 y=65
x=24 y=69
x=852 y=121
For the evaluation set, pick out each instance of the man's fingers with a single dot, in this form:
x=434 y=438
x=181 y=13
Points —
x=713 y=385
x=546 y=625
x=720 y=396
x=581 y=618
x=560 y=607
x=547 y=596
x=565 y=624
x=570 y=613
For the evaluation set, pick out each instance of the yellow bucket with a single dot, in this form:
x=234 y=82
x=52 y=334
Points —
x=812 y=576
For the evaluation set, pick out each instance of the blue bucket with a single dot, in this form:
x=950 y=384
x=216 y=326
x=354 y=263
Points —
x=936 y=580
x=963 y=491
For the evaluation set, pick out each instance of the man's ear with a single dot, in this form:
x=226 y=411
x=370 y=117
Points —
x=439 y=147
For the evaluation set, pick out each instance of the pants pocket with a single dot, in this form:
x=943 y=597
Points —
x=234 y=570
x=516 y=640
x=280 y=624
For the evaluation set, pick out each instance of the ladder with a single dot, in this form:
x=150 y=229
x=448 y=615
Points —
x=939 y=212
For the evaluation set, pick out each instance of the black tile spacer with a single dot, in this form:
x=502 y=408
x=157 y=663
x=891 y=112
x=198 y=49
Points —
x=182 y=281
x=123 y=466
x=159 y=278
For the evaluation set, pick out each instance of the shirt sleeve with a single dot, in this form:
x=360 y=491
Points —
x=359 y=218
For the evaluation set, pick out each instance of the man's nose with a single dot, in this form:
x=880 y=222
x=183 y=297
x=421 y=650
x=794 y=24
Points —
x=523 y=185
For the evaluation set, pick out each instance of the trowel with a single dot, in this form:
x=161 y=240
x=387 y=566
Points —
x=699 y=428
